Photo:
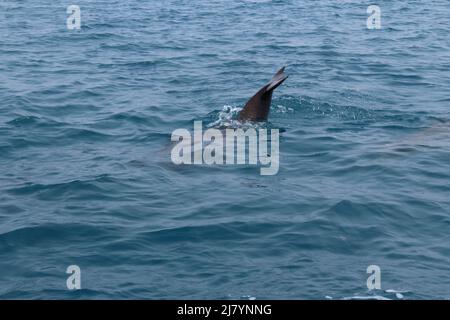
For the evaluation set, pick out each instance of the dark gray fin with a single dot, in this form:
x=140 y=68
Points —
x=277 y=79
x=258 y=107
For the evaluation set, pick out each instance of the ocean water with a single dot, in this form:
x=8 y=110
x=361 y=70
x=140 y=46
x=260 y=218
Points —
x=364 y=150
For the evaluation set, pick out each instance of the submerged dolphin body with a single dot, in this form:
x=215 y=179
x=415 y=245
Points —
x=258 y=107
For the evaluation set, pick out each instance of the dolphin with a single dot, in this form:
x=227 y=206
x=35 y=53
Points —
x=258 y=107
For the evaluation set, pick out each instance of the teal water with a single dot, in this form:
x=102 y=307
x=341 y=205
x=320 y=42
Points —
x=364 y=168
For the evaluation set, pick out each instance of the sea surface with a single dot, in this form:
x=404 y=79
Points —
x=364 y=174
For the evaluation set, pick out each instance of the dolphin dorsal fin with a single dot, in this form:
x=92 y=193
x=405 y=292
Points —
x=258 y=107
x=277 y=79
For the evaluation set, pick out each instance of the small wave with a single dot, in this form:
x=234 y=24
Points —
x=57 y=294
x=41 y=234
x=82 y=134
x=131 y=117
x=308 y=107
x=389 y=294
x=95 y=188
x=376 y=297
x=23 y=120
x=33 y=121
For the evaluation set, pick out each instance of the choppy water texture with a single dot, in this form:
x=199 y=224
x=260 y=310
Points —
x=364 y=173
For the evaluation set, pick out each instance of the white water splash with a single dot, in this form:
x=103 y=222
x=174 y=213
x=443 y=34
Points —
x=398 y=294
x=367 y=298
x=227 y=117
x=391 y=294
x=282 y=109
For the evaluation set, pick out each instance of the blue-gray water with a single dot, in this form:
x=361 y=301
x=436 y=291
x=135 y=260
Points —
x=364 y=170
